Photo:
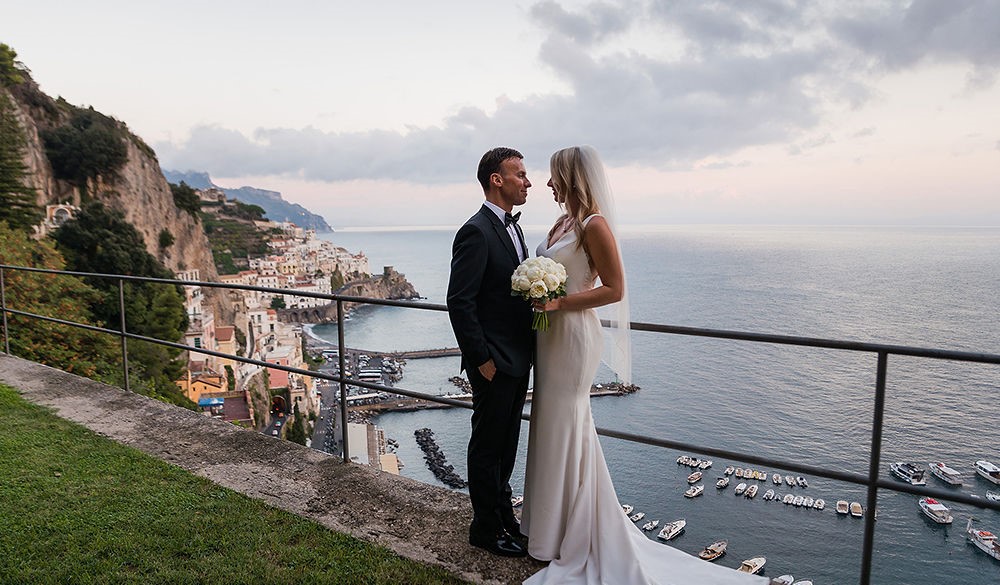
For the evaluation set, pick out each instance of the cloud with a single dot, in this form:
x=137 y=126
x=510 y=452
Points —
x=739 y=74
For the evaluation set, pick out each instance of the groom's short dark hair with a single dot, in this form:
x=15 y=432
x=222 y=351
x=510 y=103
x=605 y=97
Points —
x=490 y=163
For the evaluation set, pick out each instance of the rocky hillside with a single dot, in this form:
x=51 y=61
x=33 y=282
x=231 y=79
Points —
x=138 y=188
x=276 y=208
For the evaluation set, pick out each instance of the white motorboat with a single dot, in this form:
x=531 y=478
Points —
x=672 y=529
x=843 y=507
x=650 y=525
x=908 y=472
x=936 y=511
x=819 y=504
x=683 y=460
x=714 y=550
x=694 y=477
x=752 y=566
x=988 y=471
x=776 y=478
x=783 y=580
x=722 y=483
x=790 y=480
x=984 y=540
x=857 y=510
x=751 y=491
x=769 y=495
x=729 y=470
x=801 y=481
x=637 y=516
x=627 y=508
x=803 y=582
x=694 y=491
x=516 y=501
x=995 y=496
x=741 y=488
x=798 y=500
x=808 y=502
x=739 y=472
x=945 y=473
x=788 y=499
x=705 y=464
x=693 y=462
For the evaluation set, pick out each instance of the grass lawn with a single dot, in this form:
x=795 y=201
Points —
x=79 y=508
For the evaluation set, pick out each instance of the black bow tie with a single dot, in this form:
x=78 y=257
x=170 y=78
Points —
x=509 y=219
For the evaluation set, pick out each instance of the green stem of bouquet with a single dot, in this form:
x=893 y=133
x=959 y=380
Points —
x=540 y=322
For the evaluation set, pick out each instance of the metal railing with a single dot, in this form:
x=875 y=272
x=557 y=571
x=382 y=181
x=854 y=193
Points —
x=870 y=479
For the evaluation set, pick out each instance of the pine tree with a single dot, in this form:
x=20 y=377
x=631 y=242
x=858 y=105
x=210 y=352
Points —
x=17 y=200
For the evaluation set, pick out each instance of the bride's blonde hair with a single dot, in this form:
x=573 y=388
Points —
x=570 y=179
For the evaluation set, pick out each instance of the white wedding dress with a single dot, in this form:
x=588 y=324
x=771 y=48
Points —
x=571 y=512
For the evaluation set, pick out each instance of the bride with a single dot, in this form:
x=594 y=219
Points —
x=571 y=512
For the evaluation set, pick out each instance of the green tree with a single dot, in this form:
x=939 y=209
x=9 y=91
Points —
x=100 y=240
x=186 y=198
x=296 y=431
x=230 y=379
x=91 y=145
x=87 y=353
x=278 y=302
x=11 y=70
x=17 y=200
x=166 y=239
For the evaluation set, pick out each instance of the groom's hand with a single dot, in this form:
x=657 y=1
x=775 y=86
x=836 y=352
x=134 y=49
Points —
x=488 y=370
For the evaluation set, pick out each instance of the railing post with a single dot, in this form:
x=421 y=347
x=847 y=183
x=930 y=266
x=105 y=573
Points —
x=3 y=309
x=343 y=385
x=121 y=309
x=873 y=469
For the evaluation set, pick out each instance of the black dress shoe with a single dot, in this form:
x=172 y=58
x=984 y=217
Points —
x=502 y=544
x=513 y=528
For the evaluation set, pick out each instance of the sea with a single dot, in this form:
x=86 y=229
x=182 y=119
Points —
x=934 y=287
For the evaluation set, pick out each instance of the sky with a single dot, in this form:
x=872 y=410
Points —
x=714 y=112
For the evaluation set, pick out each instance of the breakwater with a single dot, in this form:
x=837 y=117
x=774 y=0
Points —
x=436 y=460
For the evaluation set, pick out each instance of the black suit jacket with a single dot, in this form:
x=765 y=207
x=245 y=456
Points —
x=488 y=321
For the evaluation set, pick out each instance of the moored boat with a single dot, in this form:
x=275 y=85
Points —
x=776 y=478
x=650 y=525
x=729 y=470
x=751 y=491
x=722 y=483
x=908 y=472
x=752 y=566
x=995 y=496
x=627 y=508
x=935 y=510
x=801 y=481
x=516 y=501
x=798 y=500
x=768 y=495
x=790 y=480
x=988 y=471
x=694 y=477
x=672 y=529
x=857 y=510
x=788 y=499
x=637 y=516
x=984 y=540
x=783 y=580
x=741 y=488
x=694 y=491
x=842 y=507
x=804 y=582
x=819 y=504
x=705 y=464
x=714 y=550
x=808 y=502
x=683 y=460
x=945 y=473
x=739 y=472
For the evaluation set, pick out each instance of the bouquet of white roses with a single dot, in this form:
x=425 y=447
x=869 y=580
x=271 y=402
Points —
x=539 y=279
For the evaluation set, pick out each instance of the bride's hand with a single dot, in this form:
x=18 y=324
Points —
x=552 y=305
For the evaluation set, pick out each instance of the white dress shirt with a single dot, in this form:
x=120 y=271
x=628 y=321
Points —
x=511 y=230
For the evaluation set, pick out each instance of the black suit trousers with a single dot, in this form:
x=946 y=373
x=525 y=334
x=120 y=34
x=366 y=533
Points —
x=496 y=429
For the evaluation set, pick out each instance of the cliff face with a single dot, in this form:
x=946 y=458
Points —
x=388 y=285
x=139 y=190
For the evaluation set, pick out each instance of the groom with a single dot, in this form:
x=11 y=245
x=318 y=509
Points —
x=494 y=333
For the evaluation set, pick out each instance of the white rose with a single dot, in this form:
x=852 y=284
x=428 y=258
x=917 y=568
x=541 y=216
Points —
x=551 y=281
x=537 y=290
x=521 y=283
x=533 y=273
